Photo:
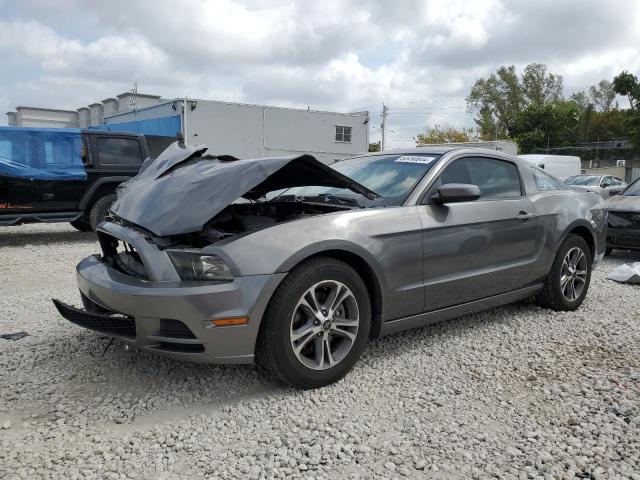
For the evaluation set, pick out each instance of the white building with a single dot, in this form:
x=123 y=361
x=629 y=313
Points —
x=239 y=129
x=247 y=131
x=42 y=117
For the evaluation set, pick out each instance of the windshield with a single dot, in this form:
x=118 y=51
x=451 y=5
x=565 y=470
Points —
x=633 y=190
x=392 y=177
x=590 y=180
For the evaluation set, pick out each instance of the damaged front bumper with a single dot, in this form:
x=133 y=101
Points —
x=172 y=318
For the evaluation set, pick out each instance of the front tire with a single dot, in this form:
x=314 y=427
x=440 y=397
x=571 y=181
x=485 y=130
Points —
x=81 y=224
x=316 y=325
x=568 y=281
x=99 y=210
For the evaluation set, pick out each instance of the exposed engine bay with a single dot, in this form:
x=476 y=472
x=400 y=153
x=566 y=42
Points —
x=244 y=218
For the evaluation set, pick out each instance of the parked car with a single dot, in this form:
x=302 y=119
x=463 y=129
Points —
x=67 y=175
x=302 y=279
x=561 y=166
x=624 y=219
x=603 y=185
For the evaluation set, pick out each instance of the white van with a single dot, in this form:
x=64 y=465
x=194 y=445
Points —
x=561 y=166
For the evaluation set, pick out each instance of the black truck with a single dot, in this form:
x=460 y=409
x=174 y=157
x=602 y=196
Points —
x=67 y=175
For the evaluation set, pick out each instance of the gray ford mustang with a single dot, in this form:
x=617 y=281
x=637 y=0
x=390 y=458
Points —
x=297 y=264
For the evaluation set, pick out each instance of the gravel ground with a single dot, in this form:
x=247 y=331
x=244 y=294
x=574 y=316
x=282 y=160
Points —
x=515 y=392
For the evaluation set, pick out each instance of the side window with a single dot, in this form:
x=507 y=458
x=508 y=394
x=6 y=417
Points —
x=616 y=181
x=16 y=147
x=545 y=182
x=606 y=182
x=496 y=179
x=59 y=151
x=119 y=151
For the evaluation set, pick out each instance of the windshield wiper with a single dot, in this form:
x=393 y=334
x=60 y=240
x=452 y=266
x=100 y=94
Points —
x=342 y=200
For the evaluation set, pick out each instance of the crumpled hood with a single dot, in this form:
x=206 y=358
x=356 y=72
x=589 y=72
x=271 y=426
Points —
x=182 y=189
x=620 y=203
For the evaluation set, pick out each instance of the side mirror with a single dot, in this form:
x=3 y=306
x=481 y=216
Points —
x=456 y=192
x=605 y=185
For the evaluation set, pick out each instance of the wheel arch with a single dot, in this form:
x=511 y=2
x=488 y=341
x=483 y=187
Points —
x=100 y=188
x=584 y=230
x=366 y=268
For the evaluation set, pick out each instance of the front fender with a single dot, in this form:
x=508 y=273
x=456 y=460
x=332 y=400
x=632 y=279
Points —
x=326 y=246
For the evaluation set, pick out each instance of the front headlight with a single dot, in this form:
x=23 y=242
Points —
x=202 y=267
x=617 y=221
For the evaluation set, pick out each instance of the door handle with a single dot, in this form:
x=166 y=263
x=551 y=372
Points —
x=47 y=196
x=524 y=216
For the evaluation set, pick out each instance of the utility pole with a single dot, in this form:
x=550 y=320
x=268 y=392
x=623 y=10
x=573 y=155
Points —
x=384 y=124
x=134 y=101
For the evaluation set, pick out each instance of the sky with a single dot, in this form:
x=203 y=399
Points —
x=418 y=57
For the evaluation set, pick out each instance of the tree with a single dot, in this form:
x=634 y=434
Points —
x=600 y=117
x=601 y=96
x=627 y=84
x=446 y=134
x=374 y=147
x=501 y=97
x=551 y=124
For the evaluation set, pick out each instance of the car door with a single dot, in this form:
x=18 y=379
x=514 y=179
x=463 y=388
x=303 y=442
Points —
x=477 y=249
x=605 y=186
x=616 y=185
x=19 y=192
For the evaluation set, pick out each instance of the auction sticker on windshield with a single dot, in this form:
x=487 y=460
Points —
x=415 y=159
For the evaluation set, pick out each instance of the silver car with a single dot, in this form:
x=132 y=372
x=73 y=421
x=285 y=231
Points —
x=604 y=185
x=296 y=264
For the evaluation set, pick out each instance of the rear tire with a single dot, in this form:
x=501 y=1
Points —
x=99 y=210
x=568 y=281
x=308 y=339
x=81 y=224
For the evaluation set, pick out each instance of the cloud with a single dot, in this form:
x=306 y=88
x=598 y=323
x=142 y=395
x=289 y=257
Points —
x=335 y=54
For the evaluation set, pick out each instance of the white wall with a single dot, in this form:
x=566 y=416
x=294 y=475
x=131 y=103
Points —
x=84 y=117
x=256 y=131
x=156 y=111
x=142 y=101
x=95 y=116
x=45 y=118
x=109 y=106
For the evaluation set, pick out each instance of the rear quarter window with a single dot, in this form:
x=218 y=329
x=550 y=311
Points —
x=545 y=182
x=119 y=151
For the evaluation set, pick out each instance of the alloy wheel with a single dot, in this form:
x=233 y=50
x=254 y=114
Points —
x=573 y=275
x=324 y=325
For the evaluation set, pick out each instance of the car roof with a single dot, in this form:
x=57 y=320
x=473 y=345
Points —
x=438 y=150
x=442 y=150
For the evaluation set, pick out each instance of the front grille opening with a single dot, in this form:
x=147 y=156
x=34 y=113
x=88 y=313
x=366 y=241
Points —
x=122 y=256
x=180 y=347
x=174 y=329
x=624 y=220
x=116 y=324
